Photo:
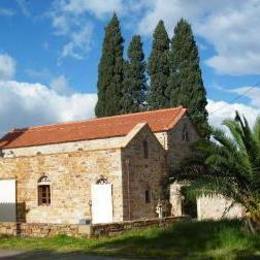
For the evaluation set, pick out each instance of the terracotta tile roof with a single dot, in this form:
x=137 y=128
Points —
x=158 y=120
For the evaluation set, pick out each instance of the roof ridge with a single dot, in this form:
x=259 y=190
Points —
x=137 y=113
x=177 y=118
x=93 y=119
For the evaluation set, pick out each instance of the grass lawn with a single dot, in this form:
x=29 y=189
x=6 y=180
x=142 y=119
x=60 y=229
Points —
x=207 y=239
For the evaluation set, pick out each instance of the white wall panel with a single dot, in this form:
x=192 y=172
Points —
x=101 y=203
x=7 y=200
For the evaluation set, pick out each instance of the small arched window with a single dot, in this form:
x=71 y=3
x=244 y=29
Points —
x=147 y=196
x=44 y=191
x=185 y=134
x=145 y=149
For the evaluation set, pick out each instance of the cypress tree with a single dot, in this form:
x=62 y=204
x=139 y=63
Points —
x=110 y=71
x=158 y=68
x=134 y=78
x=185 y=84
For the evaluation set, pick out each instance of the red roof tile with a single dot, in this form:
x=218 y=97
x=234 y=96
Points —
x=158 y=120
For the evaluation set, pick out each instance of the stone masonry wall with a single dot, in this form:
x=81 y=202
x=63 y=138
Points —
x=141 y=175
x=43 y=230
x=71 y=176
x=217 y=207
x=75 y=230
x=116 y=228
x=177 y=147
x=86 y=145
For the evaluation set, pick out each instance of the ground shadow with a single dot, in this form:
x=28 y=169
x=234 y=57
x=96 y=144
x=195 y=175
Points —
x=187 y=240
x=44 y=255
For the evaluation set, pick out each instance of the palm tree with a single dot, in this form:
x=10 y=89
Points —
x=228 y=165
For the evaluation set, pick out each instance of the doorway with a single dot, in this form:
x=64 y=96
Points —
x=101 y=196
x=189 y=205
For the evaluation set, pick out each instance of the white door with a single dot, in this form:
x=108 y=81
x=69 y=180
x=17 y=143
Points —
x=102 y=211
x=7 y=200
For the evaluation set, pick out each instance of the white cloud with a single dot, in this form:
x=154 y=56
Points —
x=230 y=26
x=40 y=75
x=24 y=104
x=220 y=110
x=60 y=22
x=173 y=10
x=61 y=85
x=23 y=4
x=74 y=27
x=79 y=43
x=6 y=12
x=253 y=93
x=96 y=7
x=7 y=67
x=235 y=36
x=228 y=63
x=74 y=21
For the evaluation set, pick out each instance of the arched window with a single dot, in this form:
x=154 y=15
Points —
x=102 y=180
x=145 y=149
x=44 y=191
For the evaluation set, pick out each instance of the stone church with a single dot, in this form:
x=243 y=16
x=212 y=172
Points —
x=102 y=170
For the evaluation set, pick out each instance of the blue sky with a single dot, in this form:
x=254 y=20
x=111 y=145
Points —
x=49 y=53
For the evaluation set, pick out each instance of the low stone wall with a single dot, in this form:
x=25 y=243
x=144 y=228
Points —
x=43 y=230
x=48 y=230
x=119 y=227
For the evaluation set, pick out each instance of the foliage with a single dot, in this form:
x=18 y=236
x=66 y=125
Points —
x=185 y=85
x=229 y=166
x=199 y=240
x=158 y=68
x=134 y=78
x=110 y=71
x=175 y=75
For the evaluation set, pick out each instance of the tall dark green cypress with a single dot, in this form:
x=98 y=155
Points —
x=134 y=78
x=158 y=68
x=186 y=86
x=110 y=71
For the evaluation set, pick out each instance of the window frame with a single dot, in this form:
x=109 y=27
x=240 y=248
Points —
x=44 y=200
x=44 y=191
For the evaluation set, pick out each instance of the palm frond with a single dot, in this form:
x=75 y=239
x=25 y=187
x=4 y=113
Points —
x=227 y=165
